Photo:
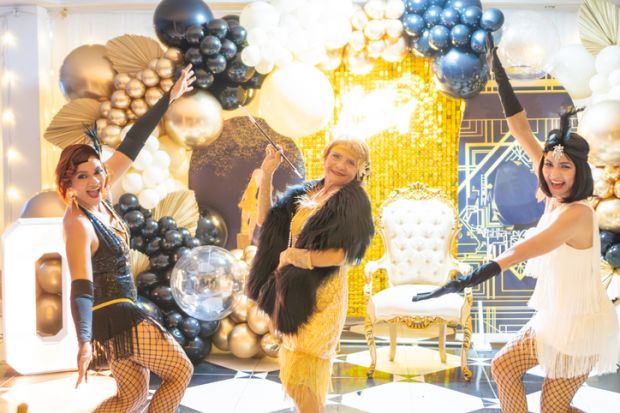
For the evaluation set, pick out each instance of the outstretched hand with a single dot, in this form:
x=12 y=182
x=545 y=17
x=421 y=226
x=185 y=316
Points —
x=491 y=53
x=183 y=83
x=450 y=287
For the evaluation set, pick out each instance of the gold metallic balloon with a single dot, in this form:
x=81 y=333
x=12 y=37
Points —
x=241 y=307
x=45 y=204
x=87 y=73
x=104 y=108
x=120 y=99
x=249 y=253
x=49 y=314
x=220 y=337
x=49 y=276
x=194 y=120
x=131 y=115
x=111 y=135
x=117 y=117
x=150 y=78
x=120 y=80
x=139 y=107
x=174 y=55
x=100 y=124
x=153 y=64
x=600 y=126
x=164 y=68
x=135 y=88
x=617 y=189
x=608 y=214
x=166 y=84
x=612 y=173
x=258 y=321
x=594 y=201
x=152 y=95
x=603 y=188
x=270 y=345
x=238 y=253
x=243 y=342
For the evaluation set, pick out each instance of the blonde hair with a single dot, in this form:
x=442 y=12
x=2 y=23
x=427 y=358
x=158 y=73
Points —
x=359 y=149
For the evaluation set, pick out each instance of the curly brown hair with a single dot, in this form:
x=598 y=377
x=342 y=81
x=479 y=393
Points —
x=70 y=158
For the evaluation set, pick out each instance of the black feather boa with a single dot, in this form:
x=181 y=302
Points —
x=289 y=295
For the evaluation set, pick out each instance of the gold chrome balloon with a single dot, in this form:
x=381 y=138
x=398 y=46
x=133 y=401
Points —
x=100 y=124
x=164 y=68
x=608 y=214
x=130 y=115
x=135 y=88
x=220 y=337
x=258 y=321
x=117 y=117
x=243 y=342
x=49 y=314
x=241 y=306
x=166 y=84
x=152 y=95
x=87 y=73
x=49 y=275
x=270 y=345
x=139 y=107
x=150 y=78
x=249 y=253
x=603 y=188
x=153 y=64
x=600 y=126
x=612 y=173
x=195 y=120
x=111 y=135
x=174 y=55
x=45 y=204
x=120 y=99
x=120 y=80
x=104 y=108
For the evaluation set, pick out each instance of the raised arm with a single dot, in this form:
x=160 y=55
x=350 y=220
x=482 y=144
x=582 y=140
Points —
x=130 y=147
x=515 y=115
x=272 y=161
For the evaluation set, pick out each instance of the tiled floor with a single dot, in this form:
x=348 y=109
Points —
x=415 y=382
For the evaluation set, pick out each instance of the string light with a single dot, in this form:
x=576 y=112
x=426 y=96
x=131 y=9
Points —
x=13 y=155
x=8 y=39
x=13 y=194
x=8 y=78
x=8 y=117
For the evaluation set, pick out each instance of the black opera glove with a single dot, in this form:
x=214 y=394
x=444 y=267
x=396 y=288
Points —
x=82 y=298
x=477 y=276
x=507 y=96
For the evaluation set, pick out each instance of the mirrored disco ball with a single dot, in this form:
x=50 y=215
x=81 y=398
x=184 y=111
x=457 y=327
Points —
x=205 y=281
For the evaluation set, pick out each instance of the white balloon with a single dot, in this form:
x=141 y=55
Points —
x=162 y=190
x=148 y=198
x=614 y=78
x=143 y=160
x=375 y=29
x=394 y=9
x=573 y=66
x=336 y=31
x=264 y=67
x=257 y=37
x=614 y=93
x=132 y=183
x=250 y=56
x=152 y=176
x=395 y=50
x=393 y=28
x=357 y=41
x=282 y=56
x=375 y=48
x=106 y=152
x=608 y=59
x=162 y=159
x=599 y=83
x=332 y=60
x=152 y=144
x=312 y=56
x=358 y=62
x=258 y=14
x=374 y=9
x=359 y=18
x=297 y=100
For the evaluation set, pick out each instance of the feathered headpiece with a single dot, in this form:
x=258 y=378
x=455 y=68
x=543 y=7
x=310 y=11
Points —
x=558 y=140
x=91 y=133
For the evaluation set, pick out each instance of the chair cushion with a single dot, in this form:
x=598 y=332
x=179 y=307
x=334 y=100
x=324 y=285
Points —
x=396 y=301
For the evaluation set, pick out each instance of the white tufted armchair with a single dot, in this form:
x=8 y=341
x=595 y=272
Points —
x=419 y=228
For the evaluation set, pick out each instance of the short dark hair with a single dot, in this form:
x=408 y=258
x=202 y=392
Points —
x=576 y=148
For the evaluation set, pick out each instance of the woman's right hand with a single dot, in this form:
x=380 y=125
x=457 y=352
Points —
x=85 y=355
x=272 y=160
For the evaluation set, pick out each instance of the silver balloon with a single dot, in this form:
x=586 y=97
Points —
x=243 y=342
x=241 y=307
x=600 y=126
x=258 y=320
x=45 y=204
x=203 y=283
x=270 y=345
x=220 y=337
x=87 y=73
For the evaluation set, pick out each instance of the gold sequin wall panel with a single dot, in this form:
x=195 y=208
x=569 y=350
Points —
x=419 y=140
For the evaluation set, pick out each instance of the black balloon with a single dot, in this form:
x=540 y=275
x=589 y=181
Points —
x=184 y=233
x=194 y=35
x=218 y=28
x=166 y=224
x=229 y=49
x=135 y=220
x=173 y=319
x=127 y=202
x=193 y=56
x=171 y=240
x=172 y=18
x=150 y=308
x=607 y=239
x=179 y=253
x=178 y=335
x=208 y=328
x=162 y=296
x=238 y=72
x=210 y=45
x=216 y=63
x=190 y=327
x=197 y=349
x=137 y=242
x=612 y=256
x=192 y=243
x=150 y=229
x=145 y=281
x=145 y=212
x=153 y=247
x=160 y=262
x=232 y=20
x=204 y=79
x=237 y=34
x=211 y=228
x=164 y=277
x=255 y=82
x=231 y=97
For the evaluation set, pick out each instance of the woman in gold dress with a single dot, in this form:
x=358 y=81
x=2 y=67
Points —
x=307 y=240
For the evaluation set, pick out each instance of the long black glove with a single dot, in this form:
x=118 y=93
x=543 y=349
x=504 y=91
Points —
x=477 y=276
x=138 y=134
x=507 y=96
x=82 y=298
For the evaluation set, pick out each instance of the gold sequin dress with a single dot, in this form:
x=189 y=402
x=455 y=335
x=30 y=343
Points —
x=306 y=357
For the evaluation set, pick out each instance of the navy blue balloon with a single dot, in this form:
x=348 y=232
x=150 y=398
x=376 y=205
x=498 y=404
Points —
x=439 y=37
x=460 y=35
x=178 y=335
x=492 y=19
x=150 y=308
x=210 y=45
x=432 y=16
x=439 y=3
x=459 y=73
x=422 y=46
x=190 y=327
x=450 y=17
x=478 y=41
x=172 y=18
x=197 y=349
x=612 y=256
x=514 y=196
x=416 y=6
x=414 y=24
x=608 y=238
x=208 y=328
x=461 y=5
x=173 y=319
x=471 y=16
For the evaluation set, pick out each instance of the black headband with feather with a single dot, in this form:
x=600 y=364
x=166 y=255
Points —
x=91 y=133
x=559 y=140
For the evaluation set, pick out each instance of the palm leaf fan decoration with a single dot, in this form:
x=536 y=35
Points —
x=68 y=126
x=599 y=24
x=131 y=53
x=139 y=262
x=180 y=205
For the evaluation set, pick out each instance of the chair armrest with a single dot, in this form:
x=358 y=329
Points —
x=369 y=269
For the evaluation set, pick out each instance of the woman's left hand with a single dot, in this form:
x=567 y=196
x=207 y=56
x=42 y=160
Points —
x=297 y=257
x=183 y=83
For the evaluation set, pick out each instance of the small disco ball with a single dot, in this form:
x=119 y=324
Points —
x=204 y=282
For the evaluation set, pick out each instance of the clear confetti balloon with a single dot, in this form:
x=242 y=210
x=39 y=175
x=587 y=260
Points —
x=204 y=282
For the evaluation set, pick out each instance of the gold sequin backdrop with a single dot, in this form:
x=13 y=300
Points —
x=426 y=153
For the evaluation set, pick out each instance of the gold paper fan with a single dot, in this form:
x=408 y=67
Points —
x=599 y=24
x=181 y=206
x=70 y=123
x=131 y=53
x=139 y=262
